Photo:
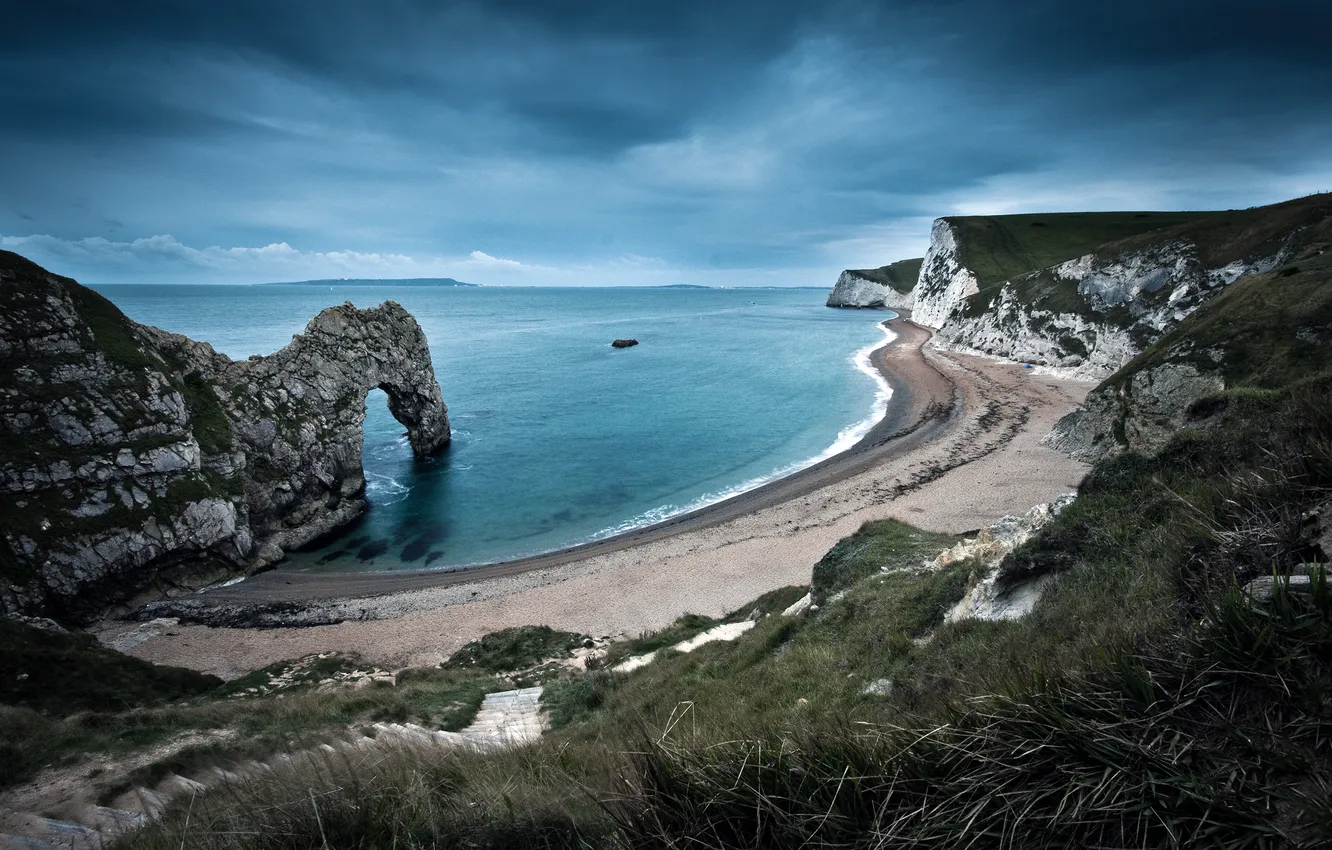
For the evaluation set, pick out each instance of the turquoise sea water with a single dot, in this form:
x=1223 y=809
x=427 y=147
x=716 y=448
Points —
x=558 y=438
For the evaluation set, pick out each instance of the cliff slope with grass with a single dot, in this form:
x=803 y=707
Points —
x=134 y=462
x=1163 y=683
x=1264 y=331
x=1090 y=291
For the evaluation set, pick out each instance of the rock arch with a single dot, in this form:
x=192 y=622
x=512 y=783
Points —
x=299 y=416
x=136 y=462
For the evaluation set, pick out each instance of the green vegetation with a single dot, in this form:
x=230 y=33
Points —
x=85 y=700
x=1001 y=247
x=289 y=675
x=111 y=331
x=1144 y=702
x=687 y=626
x=886 y=545
x=208 y=421
x=67 y=672
x=1009 y=248
x=1214 y=741
x=1263 y=331
x=515 y=649
x=901 y=275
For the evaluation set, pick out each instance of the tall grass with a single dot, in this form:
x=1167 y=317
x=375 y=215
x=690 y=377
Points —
x=1218 y=741
x=1145 y=702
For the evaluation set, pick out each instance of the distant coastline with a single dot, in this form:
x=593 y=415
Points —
x=358 y=281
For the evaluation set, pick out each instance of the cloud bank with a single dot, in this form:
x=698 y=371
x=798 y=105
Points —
x=551 y=141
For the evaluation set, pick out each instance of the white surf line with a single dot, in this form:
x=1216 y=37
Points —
x=846 y=439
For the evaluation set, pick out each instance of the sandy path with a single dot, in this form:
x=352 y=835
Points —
x=951 y=473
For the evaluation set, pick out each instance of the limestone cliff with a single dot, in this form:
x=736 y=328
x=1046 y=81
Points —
x=135 y=462
x=1094 y=312
x=944 y=278
x=891 y=286
x=1264 y=332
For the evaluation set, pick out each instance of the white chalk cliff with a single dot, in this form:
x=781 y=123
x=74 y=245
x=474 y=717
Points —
x=854 y=289
x=944 y=280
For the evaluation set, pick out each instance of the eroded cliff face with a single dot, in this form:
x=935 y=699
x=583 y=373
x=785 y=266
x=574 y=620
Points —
x=944 y=280
x=855 y=290
x=1265 y=331
x=137 y=462
x=1095 y=313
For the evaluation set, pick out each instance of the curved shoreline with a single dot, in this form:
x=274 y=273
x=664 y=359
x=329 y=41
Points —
x=975 y=455
x=924 y=404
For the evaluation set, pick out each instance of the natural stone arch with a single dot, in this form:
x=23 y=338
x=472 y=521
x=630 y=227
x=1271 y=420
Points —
x=136 y=462
x=300 y=412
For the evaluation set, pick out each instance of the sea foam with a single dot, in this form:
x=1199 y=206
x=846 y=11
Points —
x=846 y=439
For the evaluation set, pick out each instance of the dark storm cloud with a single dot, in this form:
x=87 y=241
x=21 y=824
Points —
x=677 y=135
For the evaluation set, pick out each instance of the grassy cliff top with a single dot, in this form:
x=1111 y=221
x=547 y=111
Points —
x=1010 y=248
x=1000 y=247
x=901 y=275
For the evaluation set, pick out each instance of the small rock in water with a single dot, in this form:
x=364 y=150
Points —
x=624 y=343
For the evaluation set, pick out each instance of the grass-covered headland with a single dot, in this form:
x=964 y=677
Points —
x=1147 y=701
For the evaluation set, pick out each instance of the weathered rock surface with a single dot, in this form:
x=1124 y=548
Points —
x=1139 y=415
x=1093 y=313
x=136 y=462
x=1265 y=331
x=993 y=598
x=854 y=289
x=944 y=279
x=1124 y=300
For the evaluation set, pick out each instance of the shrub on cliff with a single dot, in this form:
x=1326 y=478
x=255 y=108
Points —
x=65 y=672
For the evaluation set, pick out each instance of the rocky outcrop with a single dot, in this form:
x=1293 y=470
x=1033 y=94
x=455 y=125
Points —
x=1095 y=313
x=944 y=279
x=1139 y=415
x=853 y=289
x=1264 y=330
x=991 y=597
x=136 y=462
x=989 y=285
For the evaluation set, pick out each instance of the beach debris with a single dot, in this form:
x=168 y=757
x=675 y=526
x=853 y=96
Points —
x=624 y=343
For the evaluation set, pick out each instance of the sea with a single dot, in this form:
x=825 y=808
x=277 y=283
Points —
x=558 y=438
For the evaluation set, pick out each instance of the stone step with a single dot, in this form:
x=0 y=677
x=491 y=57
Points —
x=508 y=721
x=23 y=842
x=176 y=784
x=152 y=803
x=63 y=833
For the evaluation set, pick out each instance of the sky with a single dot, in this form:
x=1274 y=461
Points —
x=602 y=143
